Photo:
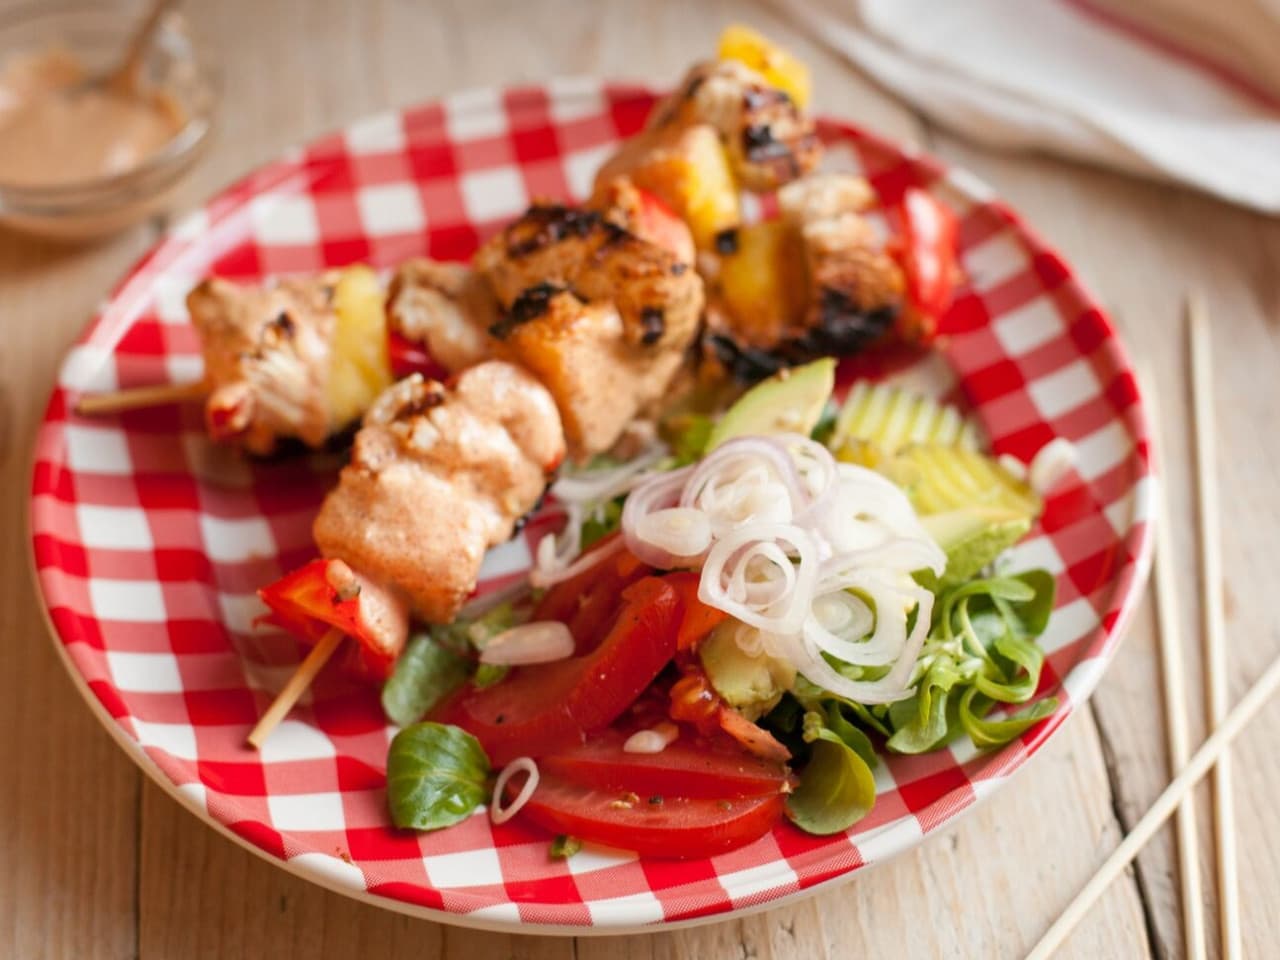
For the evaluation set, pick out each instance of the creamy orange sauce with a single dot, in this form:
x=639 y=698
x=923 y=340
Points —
x=50 y=135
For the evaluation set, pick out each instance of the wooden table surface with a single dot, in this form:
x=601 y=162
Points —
x=98 y=862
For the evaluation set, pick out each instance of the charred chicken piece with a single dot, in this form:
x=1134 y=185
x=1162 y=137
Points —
x=725 y=127
x=437 y=476
x=601 y=316
x=815 y=282
x=300 y=359
x=770 y=140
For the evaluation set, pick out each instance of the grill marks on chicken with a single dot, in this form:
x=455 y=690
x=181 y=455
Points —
x=600 y=316
x=437 y=476
x=770 y=140
x=267 y=359
x=816 y=282
x=855 y=288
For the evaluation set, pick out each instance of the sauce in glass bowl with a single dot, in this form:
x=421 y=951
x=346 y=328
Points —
x=51 y=132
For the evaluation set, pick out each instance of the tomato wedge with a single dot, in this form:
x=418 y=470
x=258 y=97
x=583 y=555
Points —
x=673 y=827
x=690 y=766
x=547 y=707
x=699 y=618
x=926 y=249
x=588 y=602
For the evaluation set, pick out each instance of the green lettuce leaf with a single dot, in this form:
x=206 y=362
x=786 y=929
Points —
x=995 y=733
x=436 y=776
x=836 y=789
x=424 y=675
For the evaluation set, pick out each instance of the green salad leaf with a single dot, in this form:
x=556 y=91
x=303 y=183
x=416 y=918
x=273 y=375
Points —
x=437 y=774
x=981 y=651
x=993 y=733
x=425 y=674
x=836 y=789
x=487 y=674
x=438 y=661
x=601 y=522
x=687 y=434
x=564 y=846
x=832 y=725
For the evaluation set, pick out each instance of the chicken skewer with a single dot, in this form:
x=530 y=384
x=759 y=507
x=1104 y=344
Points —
x=437 y=476
x=593 y=322
x=304 y=358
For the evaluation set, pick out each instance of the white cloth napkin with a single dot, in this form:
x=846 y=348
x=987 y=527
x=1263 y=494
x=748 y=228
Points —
x=1060 y=75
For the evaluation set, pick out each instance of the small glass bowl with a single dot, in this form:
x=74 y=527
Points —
x=96 y=32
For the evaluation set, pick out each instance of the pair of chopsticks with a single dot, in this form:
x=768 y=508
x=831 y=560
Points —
x=1224 y=726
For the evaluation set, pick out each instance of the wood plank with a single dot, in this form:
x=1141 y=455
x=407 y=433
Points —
x=1141 y=247
x=68 y=795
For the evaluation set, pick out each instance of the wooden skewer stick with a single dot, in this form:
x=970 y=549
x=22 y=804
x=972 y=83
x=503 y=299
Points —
x=1214 y=628
x=136 y=398
x=292 y=690
x=1175 y=692
x=1211 y=750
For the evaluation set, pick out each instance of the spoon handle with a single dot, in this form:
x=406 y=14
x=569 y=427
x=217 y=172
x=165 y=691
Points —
x=124 y=77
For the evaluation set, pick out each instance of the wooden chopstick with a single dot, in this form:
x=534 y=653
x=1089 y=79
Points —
x=1175 y=687
x=1214 y=630
x=1210 y=751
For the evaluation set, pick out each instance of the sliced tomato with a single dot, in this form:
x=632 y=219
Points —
x=326 y=594
x=588 y=602
x=690 y=766
x=546 y=707
x=668 y=826
x=408 y=356
x=699 y=618
x=926 y=250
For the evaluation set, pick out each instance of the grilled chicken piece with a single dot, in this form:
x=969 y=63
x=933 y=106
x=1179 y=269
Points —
x=856 y=288
x=446 y=307
x=818 y=281
x=770 y=140
x=301 y=359
x=437 y=476
x=266 y=355
x=601 y=316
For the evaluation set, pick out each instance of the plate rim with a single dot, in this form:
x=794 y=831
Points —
x=1138 y=536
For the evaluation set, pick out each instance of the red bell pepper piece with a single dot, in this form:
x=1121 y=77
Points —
x=659 y=224
x=326 y=593
x=699 y=618
x=408 y=356
x=926 y=250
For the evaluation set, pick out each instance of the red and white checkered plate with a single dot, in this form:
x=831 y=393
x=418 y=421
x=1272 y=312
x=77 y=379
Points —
x=149 y=543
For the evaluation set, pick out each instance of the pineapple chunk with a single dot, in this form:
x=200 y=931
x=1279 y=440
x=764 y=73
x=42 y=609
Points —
x=776 y=65
x=762 y=283
x=689 y=171
x=359 y=369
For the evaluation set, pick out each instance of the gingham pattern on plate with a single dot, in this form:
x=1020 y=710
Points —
x=149 y=542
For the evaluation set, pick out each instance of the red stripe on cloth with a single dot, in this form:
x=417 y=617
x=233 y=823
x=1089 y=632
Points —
x=1167 y=45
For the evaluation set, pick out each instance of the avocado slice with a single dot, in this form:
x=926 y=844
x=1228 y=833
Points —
x=878 y=420
x=752 y=685
x=791 y=401
x=973 y=537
